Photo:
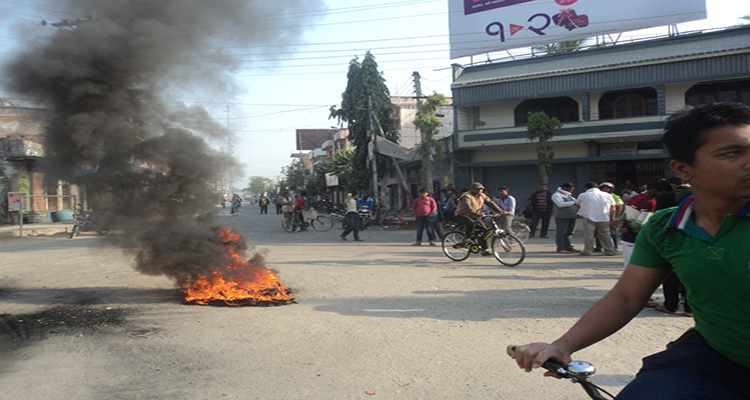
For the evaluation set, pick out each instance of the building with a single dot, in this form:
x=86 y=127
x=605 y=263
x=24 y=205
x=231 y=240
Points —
x=22 y=147
x=613 y=102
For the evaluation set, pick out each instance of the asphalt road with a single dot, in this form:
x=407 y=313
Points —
x=373 y=319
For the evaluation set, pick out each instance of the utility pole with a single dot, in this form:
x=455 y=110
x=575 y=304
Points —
x=373 y=144
x=426 y=144
x=230 y=150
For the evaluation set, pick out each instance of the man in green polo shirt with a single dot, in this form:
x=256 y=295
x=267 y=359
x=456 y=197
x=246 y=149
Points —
x=705 y=242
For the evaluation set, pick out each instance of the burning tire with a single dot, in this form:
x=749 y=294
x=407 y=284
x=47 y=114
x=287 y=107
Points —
x=454 y=246
x=508 y=249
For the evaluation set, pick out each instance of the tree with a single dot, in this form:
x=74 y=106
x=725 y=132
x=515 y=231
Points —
x=294 y=176
x=340 y=165
x=428 y=124
x=568 y=46
x=541 y=127
x=258 y=184
x=364 y=82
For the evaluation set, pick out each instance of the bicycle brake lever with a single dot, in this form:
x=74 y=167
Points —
x=555 y=368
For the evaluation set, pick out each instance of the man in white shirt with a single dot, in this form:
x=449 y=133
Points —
x=597 y=210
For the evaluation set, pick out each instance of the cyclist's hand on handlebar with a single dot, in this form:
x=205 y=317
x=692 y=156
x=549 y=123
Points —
x=533 y=355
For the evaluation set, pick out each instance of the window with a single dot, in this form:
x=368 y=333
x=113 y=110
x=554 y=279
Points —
x=563 y=108
x=625 y=104
x=727 y=92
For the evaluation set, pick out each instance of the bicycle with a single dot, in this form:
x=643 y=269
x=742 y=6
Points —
x=507 y=248
x=521 y=230
x=296 y=223
x=578 y=372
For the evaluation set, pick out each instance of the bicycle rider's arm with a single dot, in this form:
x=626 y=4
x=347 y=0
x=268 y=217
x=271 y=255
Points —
x=606 y=317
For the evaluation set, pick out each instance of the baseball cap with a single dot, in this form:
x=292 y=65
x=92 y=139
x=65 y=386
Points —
x=607 y=184
x=477 y=185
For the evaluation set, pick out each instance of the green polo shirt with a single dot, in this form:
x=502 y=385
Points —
x=715 y=272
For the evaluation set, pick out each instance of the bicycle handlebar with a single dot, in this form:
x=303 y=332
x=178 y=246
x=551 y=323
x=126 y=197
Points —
x=580 y=376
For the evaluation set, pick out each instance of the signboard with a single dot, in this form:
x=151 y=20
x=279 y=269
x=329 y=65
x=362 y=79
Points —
x=332 y=180
x=481 y=26
x=388 y=148
x=16 y=201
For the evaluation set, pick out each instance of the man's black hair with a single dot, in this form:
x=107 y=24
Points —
x=591 y=185
x=502 y=188
x=676 y=180
x=423 y=190
x=303 y=192
x=683 y=132
x=568 y=185
x=661 y=185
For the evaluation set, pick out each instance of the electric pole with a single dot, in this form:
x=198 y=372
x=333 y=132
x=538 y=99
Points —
x=426 y=144
x=374 y=154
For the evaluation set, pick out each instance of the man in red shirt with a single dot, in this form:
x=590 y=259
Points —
x=646 y=201
x=424 y=208
x=301 y=205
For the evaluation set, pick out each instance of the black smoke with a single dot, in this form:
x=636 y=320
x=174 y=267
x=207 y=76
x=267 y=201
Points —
x=111 y=81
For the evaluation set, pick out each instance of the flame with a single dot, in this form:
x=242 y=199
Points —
x=239 y=282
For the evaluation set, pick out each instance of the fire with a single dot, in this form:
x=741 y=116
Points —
x=240 y=283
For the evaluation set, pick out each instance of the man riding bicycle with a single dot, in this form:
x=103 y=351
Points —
x=469 y=212
x=300 y=207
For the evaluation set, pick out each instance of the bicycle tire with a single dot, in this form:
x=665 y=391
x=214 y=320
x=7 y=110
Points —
x=286 y=226
x=391 y=221
x=322 y=223
x=521 y=230
x=508 y=249
x=454 y=246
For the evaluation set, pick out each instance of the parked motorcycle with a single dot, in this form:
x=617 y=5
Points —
x=87 y=221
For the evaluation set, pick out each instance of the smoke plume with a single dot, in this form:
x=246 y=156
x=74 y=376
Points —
x=110 y=80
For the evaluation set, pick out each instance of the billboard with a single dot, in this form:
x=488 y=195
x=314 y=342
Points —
x=481 y=26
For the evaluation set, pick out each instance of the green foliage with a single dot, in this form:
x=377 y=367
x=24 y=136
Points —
x=258 y=184
x=561 y=47
x=365 y=82
x=428 y=123
x=341 y=165
x=541 y=127
x=294 y=176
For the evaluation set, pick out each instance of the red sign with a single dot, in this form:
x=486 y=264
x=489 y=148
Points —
x=16 y=201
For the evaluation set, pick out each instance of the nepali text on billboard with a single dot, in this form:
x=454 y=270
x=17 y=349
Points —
x=481 y=26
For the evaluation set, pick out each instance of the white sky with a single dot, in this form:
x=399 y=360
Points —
x=297 y=91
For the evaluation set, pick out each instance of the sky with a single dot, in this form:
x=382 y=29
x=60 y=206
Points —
x=294 y=88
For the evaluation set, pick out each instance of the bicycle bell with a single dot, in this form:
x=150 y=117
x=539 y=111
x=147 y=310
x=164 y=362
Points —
x=581 y=368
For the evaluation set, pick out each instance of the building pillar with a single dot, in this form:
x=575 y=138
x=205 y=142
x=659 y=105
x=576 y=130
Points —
x=586 y=107
x=661 y=100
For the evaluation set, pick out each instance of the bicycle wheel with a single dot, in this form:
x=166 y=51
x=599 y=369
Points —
x=391 y=221
x=287 y=226
x=454 y=246
x=322 y=223
x=521 y=230
x=508 y=249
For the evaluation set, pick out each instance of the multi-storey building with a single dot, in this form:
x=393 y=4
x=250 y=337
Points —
x=612 y=101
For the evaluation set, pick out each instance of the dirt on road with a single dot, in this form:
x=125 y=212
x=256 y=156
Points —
x=377 y=319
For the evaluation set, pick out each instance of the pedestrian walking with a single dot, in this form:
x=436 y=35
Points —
x=424 y=208
x=352 y=218
x=263 y=203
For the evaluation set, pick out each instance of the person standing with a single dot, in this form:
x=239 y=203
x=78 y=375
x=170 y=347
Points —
x=565 y=212
x=541 y=209
x=507 y=204
x=277 y=201
x=352 y=218
x=263 y=203
x=423 y=209
x=609 y=187
x=597 y=209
